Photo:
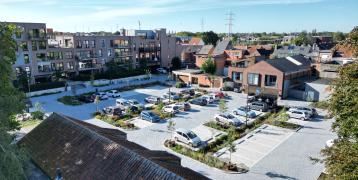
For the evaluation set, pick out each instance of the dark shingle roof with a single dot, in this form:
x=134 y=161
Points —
x=286 y=65
x=205 y=50
x=86 y=151
x=221 y=46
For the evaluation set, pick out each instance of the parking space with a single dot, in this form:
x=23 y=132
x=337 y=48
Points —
x=207 y=134
x=255 y=145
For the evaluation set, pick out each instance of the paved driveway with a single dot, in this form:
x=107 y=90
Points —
x=289 y=160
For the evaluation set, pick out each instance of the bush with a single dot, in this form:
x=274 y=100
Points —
x=320 y=104
x=37 y=115
x=180 y=85
x=70 y=100
x=44 y=86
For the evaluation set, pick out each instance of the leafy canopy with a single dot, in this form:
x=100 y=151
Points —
x=209 y=66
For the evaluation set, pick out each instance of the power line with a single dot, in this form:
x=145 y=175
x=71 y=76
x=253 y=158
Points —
x=229 y=23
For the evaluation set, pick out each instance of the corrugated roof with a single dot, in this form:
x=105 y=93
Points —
x=85 y=151
x=286 y=65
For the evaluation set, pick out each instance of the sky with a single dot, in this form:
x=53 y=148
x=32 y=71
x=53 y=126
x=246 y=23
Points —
x=185 y=15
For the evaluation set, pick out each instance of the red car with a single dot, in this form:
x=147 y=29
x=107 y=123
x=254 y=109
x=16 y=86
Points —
x=219 y=94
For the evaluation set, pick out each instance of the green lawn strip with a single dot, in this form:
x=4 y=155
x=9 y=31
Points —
x=121 y=122
x=30 y=122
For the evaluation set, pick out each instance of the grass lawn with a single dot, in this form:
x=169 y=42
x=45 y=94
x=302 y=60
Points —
x=30 y=122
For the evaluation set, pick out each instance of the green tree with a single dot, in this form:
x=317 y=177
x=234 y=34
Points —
x=209 y=66
x=97 y=101
x=12 y=160
x=210 y=37
x=231 y=148
x=176 y=63
x=92 y=78
x=338 y=36
x=302 y=39
x=222 y=106
x=171 y=126
x=341 y=159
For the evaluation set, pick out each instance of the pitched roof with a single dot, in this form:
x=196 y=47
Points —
x=85 y=151
x=290 y=64
x=221 y=46
x=206 y=49
x=196 y=41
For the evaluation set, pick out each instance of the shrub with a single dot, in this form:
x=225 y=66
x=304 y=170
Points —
x=37 y=115
x=69 y=100
x=320 y=104
x=44 y=86
x=180 y=85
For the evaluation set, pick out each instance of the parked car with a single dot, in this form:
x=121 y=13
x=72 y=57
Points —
x=162 y=70
x=112 y=111
x=311 y=111
x=244 y=111
x=191 y=92
x=171 y=109
x=209 y=99
x=123 y=103
x=219 y=95
x=149 y=116
x=113 y=93
x=187 y=137
x=298 y=114
x=183 y=106
x=136 y=103
x=259 y=106
x=172 y=95
x=199 y=101
x=227 y=119
x=101 y=95
x=86 y=98
x=23 y=117
x=152 y=99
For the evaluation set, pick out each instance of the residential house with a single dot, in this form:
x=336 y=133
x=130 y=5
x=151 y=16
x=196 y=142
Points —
x=85 y=151
x=276 y=77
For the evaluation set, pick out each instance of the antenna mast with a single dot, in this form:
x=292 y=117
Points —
x=139 y=24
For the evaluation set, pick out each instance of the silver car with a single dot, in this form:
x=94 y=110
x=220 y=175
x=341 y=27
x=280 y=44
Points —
x=187 y=137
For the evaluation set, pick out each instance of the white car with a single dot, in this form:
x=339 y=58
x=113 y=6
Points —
x=171 y=109
x=298 y=114
x=113 y=94
x=134 y=102
x=311 y=111
x=161 y=70
x=187 y=137
x=227 y=119
x=23 y=117
x=209 y=99
x=102 y=95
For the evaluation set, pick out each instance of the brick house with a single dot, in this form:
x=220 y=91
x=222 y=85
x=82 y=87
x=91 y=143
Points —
x=276 y=76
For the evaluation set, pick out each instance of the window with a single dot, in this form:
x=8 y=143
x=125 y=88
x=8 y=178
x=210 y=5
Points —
x=41 y=56
x=42 y=44
x=34 y=45
x=100 y=53
x=19 y=32
x=93 y=44
x=109 y=53
x=68 y=55
x=103 y=43
x=70 y=65
x=59 y=66
x=86 y=44
x=237 y=76
x=26 y=58
x=270 y=80
x=253 y=79
x=79 y=44
x=23 y=45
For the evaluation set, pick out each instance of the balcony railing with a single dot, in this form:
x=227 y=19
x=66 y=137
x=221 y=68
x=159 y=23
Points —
x=149 y=49
x=83 y=58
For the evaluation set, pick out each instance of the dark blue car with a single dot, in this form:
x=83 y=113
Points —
x=149 y=116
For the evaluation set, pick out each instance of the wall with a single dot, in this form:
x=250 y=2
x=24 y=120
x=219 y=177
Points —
x=317 y=92
x=55 y=90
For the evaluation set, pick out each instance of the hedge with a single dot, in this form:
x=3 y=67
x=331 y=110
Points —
x=45 y=85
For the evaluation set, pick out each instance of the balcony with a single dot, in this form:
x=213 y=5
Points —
x=85 y=58
x=149 y=49
x=119 y=46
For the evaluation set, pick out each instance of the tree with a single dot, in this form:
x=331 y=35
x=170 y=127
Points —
x=341 y=159
x=209 y=66
x=171 y=126
x=231 y=148
x=56 y=76
x=210 y=37
x=222 y=106
x=92 y=78
x=176 y=63
x=96 y=101
x=302 y=39
x=12 y=160
x=338 y=36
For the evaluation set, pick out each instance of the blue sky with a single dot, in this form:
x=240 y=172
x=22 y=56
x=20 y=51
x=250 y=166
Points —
x=185 y=15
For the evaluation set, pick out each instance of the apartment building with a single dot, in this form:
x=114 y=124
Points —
x=42 y=52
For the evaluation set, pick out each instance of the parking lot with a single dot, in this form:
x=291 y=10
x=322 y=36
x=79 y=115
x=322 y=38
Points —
x=258 y=149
